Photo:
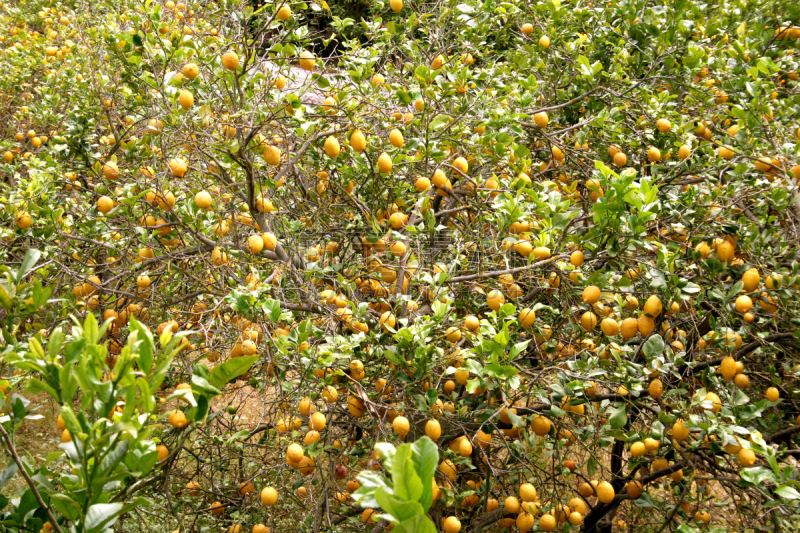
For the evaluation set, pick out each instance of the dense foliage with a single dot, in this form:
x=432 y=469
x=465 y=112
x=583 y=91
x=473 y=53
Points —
x=251 y=247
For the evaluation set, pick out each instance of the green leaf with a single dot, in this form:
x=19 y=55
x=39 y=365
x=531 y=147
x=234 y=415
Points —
x=146 y=397
x=201 y=385
x=66 y=506
x=653 y=347
x=55 y=343
x=736 y=289
x=439 y=121
x=399 y=509
x=113 y=458
x=8 y=473
x=101 y=516
x=31 y=258
x=35 y=386
x=273 y=309
x=370 y=482
x=618 y=418
x=591 y=466
x=425 y=455
x=757 y=475
x=417 y=524
x=500 y=371
x=5 y=299
x=144 y=346
x=36 y=348
x=784 y=491
x=91 y=332
x=231 y=369
x=406 y=481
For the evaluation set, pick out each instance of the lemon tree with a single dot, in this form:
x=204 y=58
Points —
x=552 y=243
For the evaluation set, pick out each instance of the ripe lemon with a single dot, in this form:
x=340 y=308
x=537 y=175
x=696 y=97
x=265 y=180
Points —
x=605 y=492
x=355 y=407
x=634 y=489
x=332 y=147
x=465 y=448
x=591 y=294
x=547 y=522
x=163 y=452
x=523 y=248
x=230 y=60
x=269 y=240
x=269 y=496
x=284 y=13
x=511 y=504
x=728 y=368
x=653 y=306
x=453 y=334
x=609 y=326
x=385 y=163
x=433 y=430
x=541 y=425
x=461 y=165
x=448 y=469
x=524 y=522
x=190 y=70
x=744 y=303
x=294 y=454
x=751 y=280
x=726 y=250
x=638 y=449
x=527 y=317
x=527 y=492
x=307 y=61
x=105 y=204
x=773 y=394
x=186 y=99
x=178 y=419
x=541 y=252
x=656 y=388
x=203 y=199
x=272 y=155
x=746 y=457
x=317 y=421
x=588 y=321
x=110 y=170
x=451 y=523
x=716 y=403
x=495 y=300
x=358 y=141
x=396 y=138
x=401 y=426
x=178 y=167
